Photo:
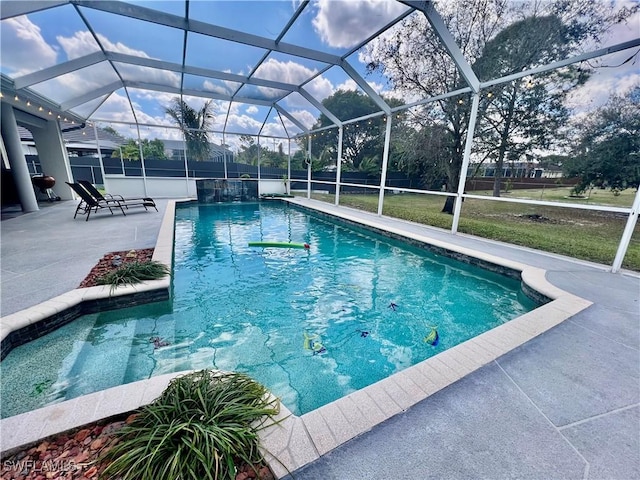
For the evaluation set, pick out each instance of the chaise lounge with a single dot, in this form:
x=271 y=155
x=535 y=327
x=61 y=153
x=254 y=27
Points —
x=89 y=202
x=94 y=192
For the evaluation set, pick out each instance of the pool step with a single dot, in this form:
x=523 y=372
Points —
x=102 y=361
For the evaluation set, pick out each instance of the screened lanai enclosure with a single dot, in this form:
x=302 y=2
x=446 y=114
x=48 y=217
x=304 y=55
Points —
x=451 y=113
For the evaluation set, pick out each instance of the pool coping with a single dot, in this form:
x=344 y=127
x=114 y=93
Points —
x=298 y=440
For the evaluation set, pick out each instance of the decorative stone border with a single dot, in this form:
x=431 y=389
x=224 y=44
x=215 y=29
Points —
x=298 y=440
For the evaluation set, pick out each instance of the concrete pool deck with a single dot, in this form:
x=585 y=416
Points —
x=562 y=405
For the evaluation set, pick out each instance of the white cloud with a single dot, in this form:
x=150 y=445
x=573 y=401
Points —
x=286 y=72
x=348 y=85
x=116 y=108
x=252 y=109
x=210 y=86
x=24 y=50
x=597 y=91
x=319 y=88
x=78 y=45
x=343 y=24
x=304 y=117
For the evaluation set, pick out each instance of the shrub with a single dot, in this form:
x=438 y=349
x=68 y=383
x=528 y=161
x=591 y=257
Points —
x=134 y=272
x=201 y=425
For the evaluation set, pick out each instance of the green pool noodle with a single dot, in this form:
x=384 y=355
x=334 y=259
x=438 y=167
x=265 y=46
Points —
x=279 y=244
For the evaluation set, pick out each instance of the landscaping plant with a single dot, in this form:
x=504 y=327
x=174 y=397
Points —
x=134 y=272
x=201 y=426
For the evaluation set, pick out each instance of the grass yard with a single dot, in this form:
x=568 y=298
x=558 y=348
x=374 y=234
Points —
x=585 y=234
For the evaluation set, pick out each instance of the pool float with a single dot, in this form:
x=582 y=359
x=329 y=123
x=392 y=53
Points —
x=307 y=340
x=310 y=343
x=280 y=244
x=432 y=337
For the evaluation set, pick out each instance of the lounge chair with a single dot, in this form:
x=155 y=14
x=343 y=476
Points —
x=89 y=202
x=94 y=192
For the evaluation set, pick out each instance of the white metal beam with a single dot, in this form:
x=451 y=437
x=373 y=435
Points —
x=465 y=161
x=202 y=72
x=15 y=8
x=87 y=97
x=319 y=106
x=58 y=70
x=339 y=165
x=563 y=63
x=627 y=233
x=385 y=163
x=443 y=33
x=174 y=21
x=362 y=83
x=293 y=119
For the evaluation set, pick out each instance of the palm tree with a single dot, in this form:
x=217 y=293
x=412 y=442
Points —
x=194 y=125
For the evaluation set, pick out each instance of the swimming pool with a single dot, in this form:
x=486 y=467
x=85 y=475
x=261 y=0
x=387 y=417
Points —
x=367 y=299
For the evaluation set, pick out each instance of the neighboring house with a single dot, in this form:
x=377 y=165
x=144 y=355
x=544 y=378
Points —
x=80 y=142
x=523 y=169
x=174 y=149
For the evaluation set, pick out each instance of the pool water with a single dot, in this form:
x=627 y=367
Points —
x=312 y=325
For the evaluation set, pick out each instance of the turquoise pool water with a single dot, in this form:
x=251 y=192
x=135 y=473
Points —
x=368 y=300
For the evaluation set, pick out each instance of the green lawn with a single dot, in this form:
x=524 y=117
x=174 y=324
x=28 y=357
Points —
x=584 y=234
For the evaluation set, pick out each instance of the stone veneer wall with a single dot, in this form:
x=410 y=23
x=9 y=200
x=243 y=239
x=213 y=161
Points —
x=470 y=260
x=38 y=329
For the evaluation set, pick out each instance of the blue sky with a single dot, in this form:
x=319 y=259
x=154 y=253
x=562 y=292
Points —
x=60 y=34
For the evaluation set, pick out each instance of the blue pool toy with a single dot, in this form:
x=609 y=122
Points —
x=318 y=348
x=432 y=337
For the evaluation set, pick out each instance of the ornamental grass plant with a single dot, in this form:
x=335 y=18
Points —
x=131 y=273
x=201 y=427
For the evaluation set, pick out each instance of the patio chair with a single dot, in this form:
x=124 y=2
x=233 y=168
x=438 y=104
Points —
x=94 y=192
x=89 y=202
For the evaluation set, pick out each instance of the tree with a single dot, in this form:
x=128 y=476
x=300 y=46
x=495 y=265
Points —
x=423 y=153
x=360 y=141
x=525 y=114
x=357 y=140
x=417 y=64
x=194 y=125
x=153 y=149
x=150 y=149
x=248 y=152
x=113 y=132
x=607 y=152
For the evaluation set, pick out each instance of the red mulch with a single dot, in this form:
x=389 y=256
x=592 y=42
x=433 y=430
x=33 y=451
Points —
x=110 y=262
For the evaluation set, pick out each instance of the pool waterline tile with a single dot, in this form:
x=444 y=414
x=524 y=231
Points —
x=317 y=432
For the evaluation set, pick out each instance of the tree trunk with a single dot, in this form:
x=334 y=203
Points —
x=448 y=205
x=502 y=151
